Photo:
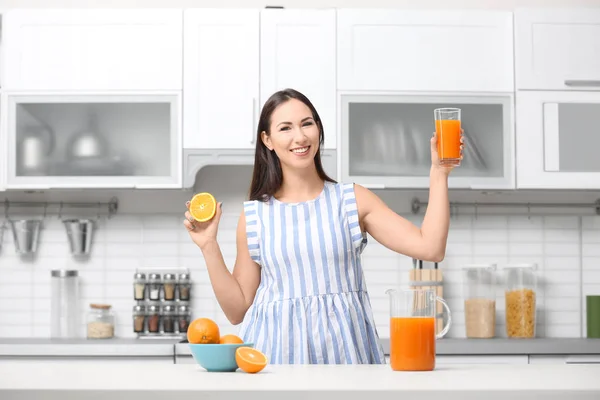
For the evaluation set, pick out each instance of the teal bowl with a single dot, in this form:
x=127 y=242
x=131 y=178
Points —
x=217 y=357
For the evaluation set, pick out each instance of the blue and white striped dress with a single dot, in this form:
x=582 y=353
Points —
x=311 y=306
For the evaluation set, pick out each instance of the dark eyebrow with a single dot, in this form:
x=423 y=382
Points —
x=289 y=123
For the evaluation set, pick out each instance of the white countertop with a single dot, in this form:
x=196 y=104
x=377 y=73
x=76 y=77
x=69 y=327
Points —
x=149 y=381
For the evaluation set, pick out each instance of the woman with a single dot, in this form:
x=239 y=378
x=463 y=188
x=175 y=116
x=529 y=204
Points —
x=298 y=286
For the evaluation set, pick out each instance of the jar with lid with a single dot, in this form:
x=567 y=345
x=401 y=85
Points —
x=154 y=286
x=479 y=292
x=100 y=322
x=139 y=286
x=153 y=319
x=64 y=304
x=168 y=319
x=520 y=300
x=139 y=318
x=169 y=287
x=183 y=318
x=184 y=287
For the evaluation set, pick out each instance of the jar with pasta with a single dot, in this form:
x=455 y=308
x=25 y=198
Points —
x=479 y=291
x=520 y=300
x=100 y=322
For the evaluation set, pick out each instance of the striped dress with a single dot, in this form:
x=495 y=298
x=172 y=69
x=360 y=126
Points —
x=311 y=306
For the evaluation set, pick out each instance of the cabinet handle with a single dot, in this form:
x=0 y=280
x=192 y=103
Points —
x=582 y=82
x=253 y=132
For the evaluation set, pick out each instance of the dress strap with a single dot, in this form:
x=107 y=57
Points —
x=252 y=229
x=359 y=240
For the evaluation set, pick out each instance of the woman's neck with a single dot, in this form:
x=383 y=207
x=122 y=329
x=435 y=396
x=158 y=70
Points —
x=300 y=186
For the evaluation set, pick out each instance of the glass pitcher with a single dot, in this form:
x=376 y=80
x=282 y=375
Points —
x=412 y=328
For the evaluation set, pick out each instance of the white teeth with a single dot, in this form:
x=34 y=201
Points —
x=302 y=150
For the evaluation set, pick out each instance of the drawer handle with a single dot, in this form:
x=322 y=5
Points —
x=582 y=82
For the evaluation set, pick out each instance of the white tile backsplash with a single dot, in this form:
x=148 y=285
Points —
x=567 y=250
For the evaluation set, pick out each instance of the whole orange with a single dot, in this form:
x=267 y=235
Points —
x=225 y=339
x=203 y=331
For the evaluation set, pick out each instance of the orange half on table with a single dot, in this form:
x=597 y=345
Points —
x=250 y=360
x=203 y=207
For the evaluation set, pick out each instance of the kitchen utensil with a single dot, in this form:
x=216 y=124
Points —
x=217 y=357
x=64 y=304
x=592 y=304
x=80 y=233
x=479 y=294
x=429 y=278
x=412 y=328
x=26 y=235
x=520 y=298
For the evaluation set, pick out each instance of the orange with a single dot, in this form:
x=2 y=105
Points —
x=203 y=331
x=250 y=360
x=203 y=207
x=225 y=339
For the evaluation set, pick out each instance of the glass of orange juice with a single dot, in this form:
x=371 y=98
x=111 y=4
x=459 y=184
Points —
x=447 y=130
x=412 y=328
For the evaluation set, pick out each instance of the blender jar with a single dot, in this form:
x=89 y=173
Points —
x=479 y=291
x=520 y=298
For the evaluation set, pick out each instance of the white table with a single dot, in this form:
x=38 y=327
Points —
x=149 y=381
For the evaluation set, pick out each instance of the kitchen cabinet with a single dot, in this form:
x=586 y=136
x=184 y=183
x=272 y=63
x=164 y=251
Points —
x=297 y=50
x=93 y=50
x=557 y=49
x=385 y=139
x=93 y=140
x=409 y=50
x=221 y=78
x=556 y=143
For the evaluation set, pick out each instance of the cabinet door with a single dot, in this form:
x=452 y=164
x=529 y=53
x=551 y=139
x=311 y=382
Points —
x=557 y=140
x=63 y=49
x=297 y=50
x=390 y=49
x=93 y=140
x=385 y=140
x=221 y=79
x=557 y=49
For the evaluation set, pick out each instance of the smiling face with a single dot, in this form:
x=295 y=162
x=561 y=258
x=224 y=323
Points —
x=293 y=135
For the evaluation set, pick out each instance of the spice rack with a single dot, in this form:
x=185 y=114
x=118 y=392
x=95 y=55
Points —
x=162 y=302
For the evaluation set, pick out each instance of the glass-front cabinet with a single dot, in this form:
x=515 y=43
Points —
x=93 y=140
x=558 y=140
x=386 y=140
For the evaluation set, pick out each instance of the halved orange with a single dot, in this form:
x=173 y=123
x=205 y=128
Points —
x=203 y=207
x=230 y=339
x=250 y=360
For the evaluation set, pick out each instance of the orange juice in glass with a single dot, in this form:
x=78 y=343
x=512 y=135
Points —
x=447 y=131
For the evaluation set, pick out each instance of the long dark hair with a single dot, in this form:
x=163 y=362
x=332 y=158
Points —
x=267 y=176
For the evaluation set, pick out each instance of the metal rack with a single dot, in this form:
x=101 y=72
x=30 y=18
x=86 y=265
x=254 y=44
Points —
x=111 y=206
x=416 y=206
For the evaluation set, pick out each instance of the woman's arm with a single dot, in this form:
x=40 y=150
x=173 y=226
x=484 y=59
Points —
x=398 y=234
x=234 y=291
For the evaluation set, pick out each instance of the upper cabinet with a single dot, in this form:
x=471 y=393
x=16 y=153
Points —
x=93 y=49
x=297 y=50
x=221 y=78
x=441 y=51
x=557 y=49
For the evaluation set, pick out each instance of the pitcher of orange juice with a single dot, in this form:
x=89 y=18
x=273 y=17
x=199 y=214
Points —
x=412 y=328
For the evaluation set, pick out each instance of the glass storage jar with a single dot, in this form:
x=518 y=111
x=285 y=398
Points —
x=139 y=286
x=479 y=291
x=169 y=281
x=168 y=319
x=139 y=319
x=153 y=319
x=183 y=317
x=520 y=300
x=100 y=322
x=184 y=287
x=154 y=284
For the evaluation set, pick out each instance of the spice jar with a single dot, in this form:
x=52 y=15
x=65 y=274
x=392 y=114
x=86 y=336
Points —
x=153 y=319
x=184 y=287
x=168 y=319
x=520 y=298
x=139 y=318
x=154 y=286
x=169 y=287
x=479 y=291
x=183 y=318
x=139 y=286
x=100 y=322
